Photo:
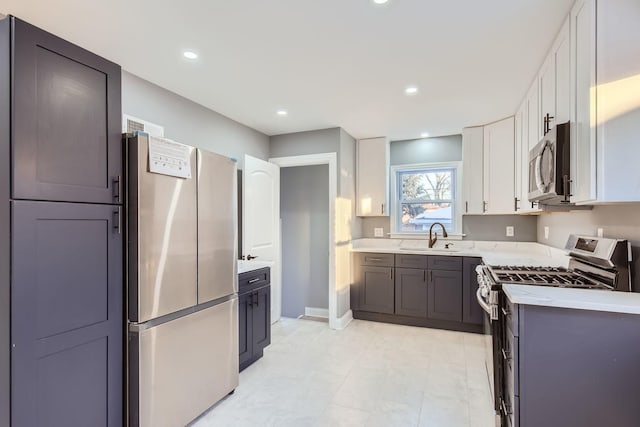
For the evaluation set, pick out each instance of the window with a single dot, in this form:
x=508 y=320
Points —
x=425 y=194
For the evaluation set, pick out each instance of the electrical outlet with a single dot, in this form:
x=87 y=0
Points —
x=510 y=231
x=378 y=232
x=600 y=232
x=546 y=232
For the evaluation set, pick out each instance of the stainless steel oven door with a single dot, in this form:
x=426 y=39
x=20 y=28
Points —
x=488 y=343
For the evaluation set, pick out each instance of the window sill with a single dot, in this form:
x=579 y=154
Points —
x=423 y=236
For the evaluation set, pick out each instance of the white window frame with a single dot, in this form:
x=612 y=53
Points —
x=395 y=199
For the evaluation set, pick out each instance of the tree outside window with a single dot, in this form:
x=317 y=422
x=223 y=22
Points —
x=425 y=196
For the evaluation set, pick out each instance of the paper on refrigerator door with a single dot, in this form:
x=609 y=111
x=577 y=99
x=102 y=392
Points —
x=168 y=157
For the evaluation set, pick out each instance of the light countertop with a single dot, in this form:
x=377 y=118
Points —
x=493 y=253
x=244 y=266
x=582 y=299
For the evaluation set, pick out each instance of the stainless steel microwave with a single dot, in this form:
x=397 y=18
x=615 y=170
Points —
x=549 y=164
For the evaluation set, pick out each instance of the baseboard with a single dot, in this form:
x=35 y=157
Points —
x=316 y=312
x=343 y=321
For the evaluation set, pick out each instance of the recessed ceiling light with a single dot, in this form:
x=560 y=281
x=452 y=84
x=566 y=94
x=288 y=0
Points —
x=380 y=1
x=282 y=113
x=411 y=90
x=424 y=135
x=189 y=54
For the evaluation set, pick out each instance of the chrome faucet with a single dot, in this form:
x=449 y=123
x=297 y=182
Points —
x=432 y=241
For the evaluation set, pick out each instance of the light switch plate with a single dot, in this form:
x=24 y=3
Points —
x=378 y=232
x=510 y=230
x=546 y=231
x=600 y=232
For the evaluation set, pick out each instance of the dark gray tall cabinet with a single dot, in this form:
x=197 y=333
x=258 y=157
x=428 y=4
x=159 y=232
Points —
x=61 y=281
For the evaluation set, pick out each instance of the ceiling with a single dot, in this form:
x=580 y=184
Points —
x=327 y=62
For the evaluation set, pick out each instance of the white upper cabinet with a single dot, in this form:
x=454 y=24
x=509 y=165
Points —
x=605 y=101
x=499 y=167
x=554 y=83
x=472 y=175
x=372 y=180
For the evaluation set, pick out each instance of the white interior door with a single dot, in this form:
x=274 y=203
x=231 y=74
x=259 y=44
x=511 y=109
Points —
x=261 y=221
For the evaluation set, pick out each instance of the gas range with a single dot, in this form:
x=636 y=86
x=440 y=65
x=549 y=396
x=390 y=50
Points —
x=544 y=276
x=594 y=263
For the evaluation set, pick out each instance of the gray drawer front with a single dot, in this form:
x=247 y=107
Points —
x=453 y=263
x=251 y=280
x=411 y=261
x=378 y=260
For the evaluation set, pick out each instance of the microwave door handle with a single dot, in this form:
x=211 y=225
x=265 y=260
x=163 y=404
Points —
x=540 y=181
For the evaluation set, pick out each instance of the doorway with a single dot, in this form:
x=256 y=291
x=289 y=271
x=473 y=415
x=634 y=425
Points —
x=329 y=161
x=304 y=215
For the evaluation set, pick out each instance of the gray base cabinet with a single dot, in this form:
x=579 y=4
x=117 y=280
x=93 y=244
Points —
x=419 y=290
x=445 y=295
x=569 y=368
x=411 y=292
x=254 y=298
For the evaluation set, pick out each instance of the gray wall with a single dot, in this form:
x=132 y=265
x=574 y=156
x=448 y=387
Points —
x=617 y=221
x=493 y=227
x=190 y=123
x=304 y=209
x=348 y=226
x=426 y=150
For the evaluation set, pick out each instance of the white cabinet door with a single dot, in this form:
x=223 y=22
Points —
x=618 y=101
x=472 y=175
x=562 y=59
x=372 y=184
x=533 y=113
x=583 y=135
x=547 y=97
x=554 y=82
x=521 y=146
x=499 y=160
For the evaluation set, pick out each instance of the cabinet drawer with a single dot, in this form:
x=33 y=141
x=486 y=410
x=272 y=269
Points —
x=453 y=263
x=251 y=280
x=373 y=259
x=411 y=261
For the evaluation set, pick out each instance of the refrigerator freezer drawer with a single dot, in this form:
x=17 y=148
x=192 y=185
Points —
x=217 y=226
x=181 y=368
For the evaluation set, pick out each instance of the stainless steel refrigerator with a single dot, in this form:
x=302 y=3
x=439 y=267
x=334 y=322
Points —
x=182 y=286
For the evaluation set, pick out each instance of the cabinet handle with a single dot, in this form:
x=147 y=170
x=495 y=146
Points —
x=382 y=209
x=515 y=203
x=466 y=207
x=116 y=221
x=257 y=299
x=484 y=206
x=566 y=188
x=430 y=275
x=374 y=259
x=505 y=312
x=117 y=188
x=506 y=355
x=254 y=280
x=424 y=275
x=391 y=270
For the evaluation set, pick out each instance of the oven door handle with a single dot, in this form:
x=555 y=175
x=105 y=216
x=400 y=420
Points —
x=482 y=302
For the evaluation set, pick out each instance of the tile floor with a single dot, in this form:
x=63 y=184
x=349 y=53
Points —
x=370 y=374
